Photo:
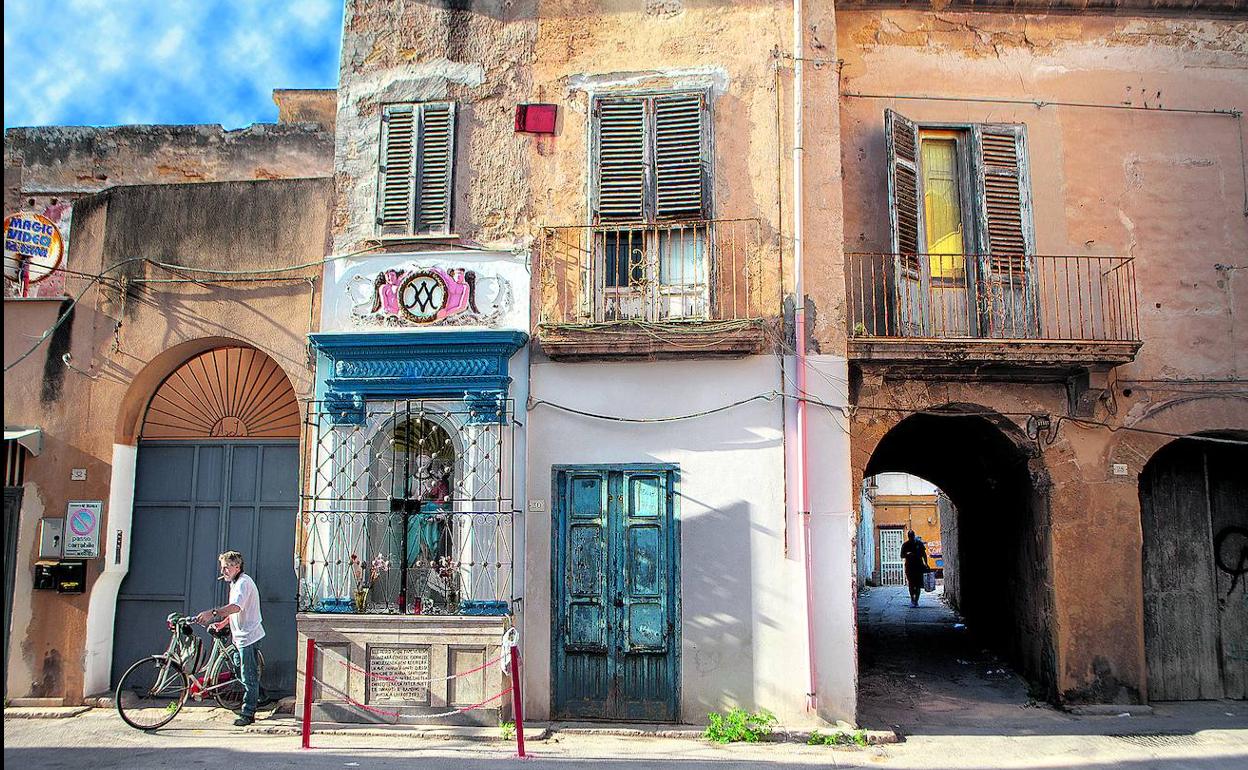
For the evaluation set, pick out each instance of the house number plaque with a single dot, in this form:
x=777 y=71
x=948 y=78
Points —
x=398 y=674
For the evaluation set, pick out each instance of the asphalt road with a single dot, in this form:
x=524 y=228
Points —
x=98 y=740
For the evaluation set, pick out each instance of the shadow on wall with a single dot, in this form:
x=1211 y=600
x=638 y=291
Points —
x=717 y=597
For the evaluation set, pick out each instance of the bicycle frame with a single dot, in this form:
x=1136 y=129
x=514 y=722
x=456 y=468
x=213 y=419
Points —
x=186 y=650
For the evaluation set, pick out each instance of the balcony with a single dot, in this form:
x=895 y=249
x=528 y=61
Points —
x=1034 y=315
x=703 y=288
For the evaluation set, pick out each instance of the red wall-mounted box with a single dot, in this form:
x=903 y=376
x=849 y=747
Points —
x=536 y=118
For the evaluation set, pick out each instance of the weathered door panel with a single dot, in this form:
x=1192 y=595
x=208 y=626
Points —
x=585 y=672
x=645 y=594
x=193 y=501
x=1182 y=638
x=1228 y=511
x=615 y=649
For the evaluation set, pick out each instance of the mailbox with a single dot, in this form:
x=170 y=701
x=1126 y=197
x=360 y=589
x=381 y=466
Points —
x=71 y=577
x=44 y=577
x=67 y=577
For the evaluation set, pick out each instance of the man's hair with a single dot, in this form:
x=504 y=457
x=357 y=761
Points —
x=909 y=535
x=232 y=557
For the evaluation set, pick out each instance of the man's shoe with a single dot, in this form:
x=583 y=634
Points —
x=243 y=721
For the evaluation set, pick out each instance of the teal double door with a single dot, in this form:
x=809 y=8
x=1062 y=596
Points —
x=616 y=596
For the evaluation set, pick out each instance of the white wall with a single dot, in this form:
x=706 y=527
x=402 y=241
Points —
x=743 y=625
x=902 y=484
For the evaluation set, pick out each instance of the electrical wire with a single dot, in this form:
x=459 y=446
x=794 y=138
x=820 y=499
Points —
x=102 y=276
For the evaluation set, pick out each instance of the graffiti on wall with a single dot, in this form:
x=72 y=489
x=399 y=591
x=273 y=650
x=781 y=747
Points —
x=429 y=296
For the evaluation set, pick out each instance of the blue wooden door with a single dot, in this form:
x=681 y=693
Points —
x=194 y=500
x=616 y=597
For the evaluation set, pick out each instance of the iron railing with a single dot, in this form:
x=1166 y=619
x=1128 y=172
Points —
x=705 y=270
x=408 y=508
x=1059 y=298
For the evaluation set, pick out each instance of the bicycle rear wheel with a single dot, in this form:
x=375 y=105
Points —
x=231 y=695
x=151 y=693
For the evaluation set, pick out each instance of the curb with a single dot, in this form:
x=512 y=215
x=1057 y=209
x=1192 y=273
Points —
x=49 y=712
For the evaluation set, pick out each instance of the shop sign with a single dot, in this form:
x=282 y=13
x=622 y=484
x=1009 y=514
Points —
x=33 y=248
x=82 y=529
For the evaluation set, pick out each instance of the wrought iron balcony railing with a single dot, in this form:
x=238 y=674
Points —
x=942 y=296
x=407 y=508
x=706 y=270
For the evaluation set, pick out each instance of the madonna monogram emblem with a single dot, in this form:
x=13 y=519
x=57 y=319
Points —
x=429 y=296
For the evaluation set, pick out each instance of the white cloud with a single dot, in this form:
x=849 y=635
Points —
x=163 y=61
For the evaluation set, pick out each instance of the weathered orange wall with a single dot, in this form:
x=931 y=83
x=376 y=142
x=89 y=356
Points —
x=124 y=343
x=1165 y=188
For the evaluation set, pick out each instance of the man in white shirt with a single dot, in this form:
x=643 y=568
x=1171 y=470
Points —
x=243 y=614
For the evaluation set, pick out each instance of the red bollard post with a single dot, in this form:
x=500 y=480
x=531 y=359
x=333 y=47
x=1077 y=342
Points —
x=517 y=701
x=309 y=668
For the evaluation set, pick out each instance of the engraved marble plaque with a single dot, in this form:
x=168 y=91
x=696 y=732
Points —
x=398 y=674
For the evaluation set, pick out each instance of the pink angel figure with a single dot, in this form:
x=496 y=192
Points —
x=456 y=292
x=388 y=292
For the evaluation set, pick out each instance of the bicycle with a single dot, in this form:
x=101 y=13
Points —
x=153 y=690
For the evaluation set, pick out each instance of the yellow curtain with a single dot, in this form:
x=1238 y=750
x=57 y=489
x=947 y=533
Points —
x=943 y=208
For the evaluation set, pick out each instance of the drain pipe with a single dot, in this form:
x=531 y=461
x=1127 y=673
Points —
x=799 y=330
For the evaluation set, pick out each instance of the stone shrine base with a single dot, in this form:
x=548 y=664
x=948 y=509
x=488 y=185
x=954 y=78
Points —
x=408 y=659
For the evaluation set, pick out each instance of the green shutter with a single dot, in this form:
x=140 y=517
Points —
x=679 y=157
x=396 y=191
x=621 y=160
x=437 y=161
x=905 y=210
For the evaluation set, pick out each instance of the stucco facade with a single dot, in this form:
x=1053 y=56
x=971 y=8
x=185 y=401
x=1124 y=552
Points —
x=88 y=385
x=1135 y=136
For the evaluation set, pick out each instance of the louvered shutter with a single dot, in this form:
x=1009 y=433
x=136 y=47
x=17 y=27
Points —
x=621 y=187
x=396 y=189
x=1005 y=229
x=437 y=161
x=905 y=212
x=679 y=157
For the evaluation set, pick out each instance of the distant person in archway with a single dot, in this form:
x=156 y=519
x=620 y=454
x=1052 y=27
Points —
x=914 y=555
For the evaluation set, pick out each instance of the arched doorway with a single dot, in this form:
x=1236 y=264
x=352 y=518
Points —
x=217 y=469
x=1194 y=521
x=994 y=528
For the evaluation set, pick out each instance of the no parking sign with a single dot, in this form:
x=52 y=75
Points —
x=82 y=529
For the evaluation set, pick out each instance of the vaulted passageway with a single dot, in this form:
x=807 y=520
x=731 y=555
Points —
x=996 y=557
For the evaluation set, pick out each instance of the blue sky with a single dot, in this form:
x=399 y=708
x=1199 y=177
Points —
x=110 y=62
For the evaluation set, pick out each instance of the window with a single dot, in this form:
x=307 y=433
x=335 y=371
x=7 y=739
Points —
x=960 y=217
x=415 y=172
x=651 y=199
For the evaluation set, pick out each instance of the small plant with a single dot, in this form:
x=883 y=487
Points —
x=838 y=738
x=508 y=729
x=739 y=725
x=860 y=329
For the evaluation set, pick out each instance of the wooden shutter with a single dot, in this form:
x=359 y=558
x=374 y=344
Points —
x=1005 y=230
x=437 y=161
x=905 y=209
x=621 y=182
x=679 y=157
x=396 y=189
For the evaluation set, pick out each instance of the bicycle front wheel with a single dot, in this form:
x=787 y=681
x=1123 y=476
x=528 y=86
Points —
x=151 y=693
x=230 y=695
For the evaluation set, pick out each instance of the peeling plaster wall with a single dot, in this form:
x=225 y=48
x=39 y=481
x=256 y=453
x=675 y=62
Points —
x=1165 y=188
x=125 y=343
x=490 y=56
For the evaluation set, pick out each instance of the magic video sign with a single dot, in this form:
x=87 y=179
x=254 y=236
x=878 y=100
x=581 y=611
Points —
x=33 y=248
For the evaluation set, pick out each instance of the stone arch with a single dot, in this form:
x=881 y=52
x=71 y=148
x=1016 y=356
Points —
x=1204 y=414
x=999 y=485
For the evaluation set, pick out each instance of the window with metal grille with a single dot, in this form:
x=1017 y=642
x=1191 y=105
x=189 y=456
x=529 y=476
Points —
x=651 y=158
x=416 y=169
